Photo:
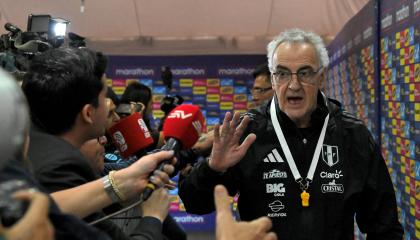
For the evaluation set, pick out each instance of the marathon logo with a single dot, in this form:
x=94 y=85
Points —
x=213 y=90
x=226 y=82
x=240 y=106
x=226 y=90
x=158 y=114
x=119 y=83
x=402 y=13
x=186 y=82
x=188 y=71
x=134 y=72
x=416 y=6
x=158 y=98
x=226 y=105
x=367 y=33
x=386 y=21
x=332 y=187
x=201 y=90
x=235 y=71
x=240 y=98
x=226 y=98
x=213 y=98
x=200 y=82
x=189 y=219
x=213 y=82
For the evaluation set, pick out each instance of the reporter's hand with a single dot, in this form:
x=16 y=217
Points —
x=157 y=205
x=132 y=180
x=226 y=150
x=35 y=224
x=228 y=229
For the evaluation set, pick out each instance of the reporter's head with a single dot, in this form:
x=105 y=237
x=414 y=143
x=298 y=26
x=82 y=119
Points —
x=64 y=84
x=14 y=119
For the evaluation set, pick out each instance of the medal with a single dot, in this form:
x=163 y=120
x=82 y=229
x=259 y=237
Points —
x=305 y=198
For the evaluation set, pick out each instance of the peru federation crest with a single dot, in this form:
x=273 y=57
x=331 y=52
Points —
x=330 y=154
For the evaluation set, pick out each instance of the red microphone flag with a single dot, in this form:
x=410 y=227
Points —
x=184 y=123
x=131 y=135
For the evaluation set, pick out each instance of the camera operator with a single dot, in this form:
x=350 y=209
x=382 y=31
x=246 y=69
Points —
x=35 y=223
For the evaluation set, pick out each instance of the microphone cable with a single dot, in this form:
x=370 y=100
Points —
x=118 y=212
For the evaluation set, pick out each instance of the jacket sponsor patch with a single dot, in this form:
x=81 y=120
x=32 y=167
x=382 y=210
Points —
x=275 y=208
x=335 y=175
x=273 y=157
x=330 y=154
x=277 y=188
x=332 y=187
x=275 y=173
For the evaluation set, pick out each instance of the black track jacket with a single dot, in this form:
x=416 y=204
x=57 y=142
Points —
x=351 y=179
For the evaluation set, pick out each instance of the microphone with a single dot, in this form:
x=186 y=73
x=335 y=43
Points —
x=12 y=28
x=131 y=135
x=181 y=129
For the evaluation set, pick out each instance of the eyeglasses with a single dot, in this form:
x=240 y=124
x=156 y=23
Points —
x=258 y=90
x=102 y=140
x=304 y=75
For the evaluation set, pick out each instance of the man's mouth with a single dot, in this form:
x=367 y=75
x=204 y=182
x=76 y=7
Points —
x=294 y=100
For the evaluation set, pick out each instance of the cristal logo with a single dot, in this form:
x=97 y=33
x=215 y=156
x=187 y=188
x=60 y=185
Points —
x=144 y=128
x=179 y=114
x=332 y=187
x=277 y=188
x=119 y=139
x=336 y=175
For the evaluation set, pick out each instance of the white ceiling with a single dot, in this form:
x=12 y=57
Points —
x=167 y=27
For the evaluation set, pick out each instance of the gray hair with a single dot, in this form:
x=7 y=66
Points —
x=298 y=35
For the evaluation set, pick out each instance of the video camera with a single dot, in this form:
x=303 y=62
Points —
x=11 y=209
x=43 y=32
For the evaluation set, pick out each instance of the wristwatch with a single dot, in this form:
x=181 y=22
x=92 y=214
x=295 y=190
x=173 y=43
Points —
x=109 y=189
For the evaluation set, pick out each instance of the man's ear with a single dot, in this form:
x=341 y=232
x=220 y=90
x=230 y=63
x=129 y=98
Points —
x=87 y=113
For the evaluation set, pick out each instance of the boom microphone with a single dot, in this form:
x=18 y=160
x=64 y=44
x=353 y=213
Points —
x=131 y=135
x=181 y=129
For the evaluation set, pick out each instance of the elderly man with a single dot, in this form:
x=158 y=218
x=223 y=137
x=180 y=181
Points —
x=305 y=162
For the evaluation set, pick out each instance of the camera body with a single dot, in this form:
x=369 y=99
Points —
x=17 y=47
x=11 y=209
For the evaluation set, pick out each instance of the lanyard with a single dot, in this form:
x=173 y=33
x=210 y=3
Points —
x=288 y=154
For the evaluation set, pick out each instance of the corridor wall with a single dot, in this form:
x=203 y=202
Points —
x=375 y=72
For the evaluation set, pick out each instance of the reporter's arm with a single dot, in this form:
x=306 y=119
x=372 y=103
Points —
x=92 y=197
x=82 y=200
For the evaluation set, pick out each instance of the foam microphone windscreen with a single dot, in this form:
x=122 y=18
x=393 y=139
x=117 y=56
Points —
x=131 y=135
x=184 y=123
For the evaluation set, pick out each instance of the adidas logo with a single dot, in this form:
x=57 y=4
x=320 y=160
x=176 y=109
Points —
x=274 y=156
